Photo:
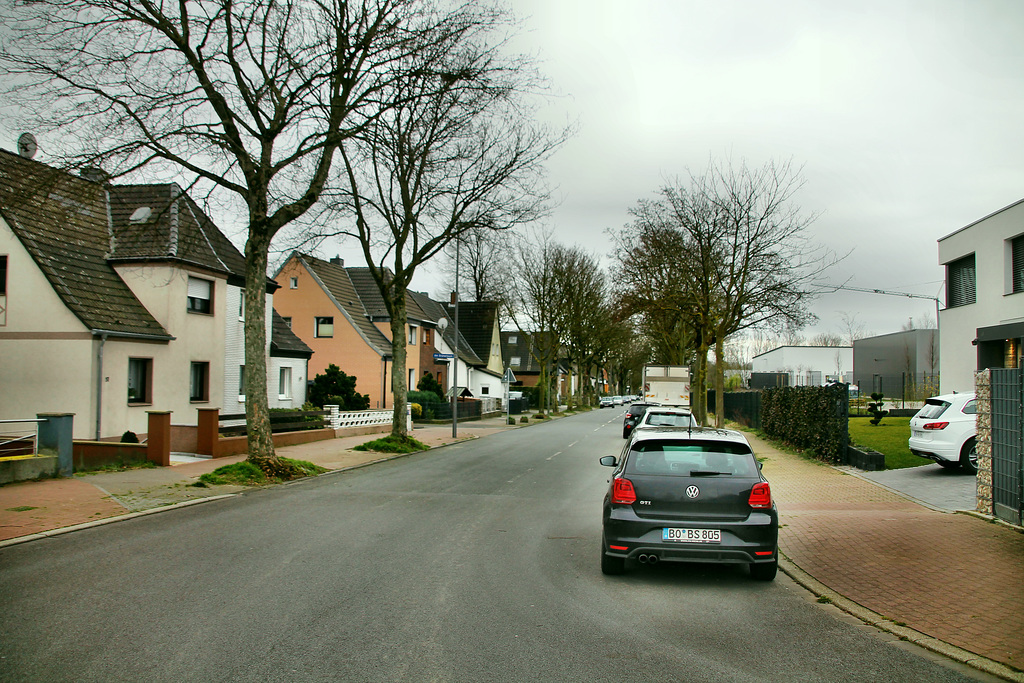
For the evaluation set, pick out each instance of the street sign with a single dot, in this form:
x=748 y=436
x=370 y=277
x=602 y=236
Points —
x=438 y=356
x=509 y=377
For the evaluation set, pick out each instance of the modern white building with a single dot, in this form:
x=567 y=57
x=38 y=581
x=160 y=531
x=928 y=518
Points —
x=982 y=325
x=806 y=365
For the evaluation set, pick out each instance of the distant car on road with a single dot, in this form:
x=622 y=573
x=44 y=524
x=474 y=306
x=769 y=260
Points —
x=689 y=496
x=606 y=402
x=633 y=415
x=617 y=400
x=945 y=430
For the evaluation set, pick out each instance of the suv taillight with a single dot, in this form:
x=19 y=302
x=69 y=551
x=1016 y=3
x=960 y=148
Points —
x=760 y=496
x=622 y=492
x=936 y=425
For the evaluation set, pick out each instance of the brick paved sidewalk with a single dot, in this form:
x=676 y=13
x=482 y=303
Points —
x=954 y=577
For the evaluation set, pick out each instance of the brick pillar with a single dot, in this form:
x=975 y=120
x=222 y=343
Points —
x=983 y=387
x=159 y=439
x=208 y=431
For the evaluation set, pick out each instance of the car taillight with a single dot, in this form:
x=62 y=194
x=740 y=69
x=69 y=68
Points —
x=760 y=496
x=622 y=492
x=936 y=425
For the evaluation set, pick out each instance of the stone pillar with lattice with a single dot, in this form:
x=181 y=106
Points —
x=983 y=389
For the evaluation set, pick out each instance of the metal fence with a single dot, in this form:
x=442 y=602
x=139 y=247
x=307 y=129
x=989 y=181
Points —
x=1008 y=443
x=902 y=388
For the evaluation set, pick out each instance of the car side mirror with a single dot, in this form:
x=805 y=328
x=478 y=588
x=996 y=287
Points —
x=609 y=461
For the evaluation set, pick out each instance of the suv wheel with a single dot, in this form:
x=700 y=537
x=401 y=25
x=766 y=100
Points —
x=969 y=456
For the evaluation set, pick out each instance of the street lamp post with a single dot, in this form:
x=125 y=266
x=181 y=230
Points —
x=455 y=361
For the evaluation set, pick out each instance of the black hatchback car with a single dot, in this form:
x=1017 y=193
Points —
x=633 y=417
x=689 y=495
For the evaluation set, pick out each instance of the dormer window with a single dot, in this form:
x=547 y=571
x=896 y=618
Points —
x=512 y=339
x=200 y=295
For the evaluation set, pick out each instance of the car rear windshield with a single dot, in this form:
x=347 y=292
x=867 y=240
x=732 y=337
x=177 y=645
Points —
x=668 y=420
x=932 y=409
x=691 y=458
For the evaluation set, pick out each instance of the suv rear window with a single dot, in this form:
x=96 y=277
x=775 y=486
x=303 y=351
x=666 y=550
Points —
x=932 y=409
x=654 y=419
x=691 y=458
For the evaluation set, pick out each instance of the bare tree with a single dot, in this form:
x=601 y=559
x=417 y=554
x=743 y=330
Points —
x=581 y=313
x=455 y=151
x=852 y=329
x=529 y=305
x=826 y=339
x=249 y=100
x=482 y=264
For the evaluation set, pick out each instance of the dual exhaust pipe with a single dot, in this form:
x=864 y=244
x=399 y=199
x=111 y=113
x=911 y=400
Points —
x=647 y=559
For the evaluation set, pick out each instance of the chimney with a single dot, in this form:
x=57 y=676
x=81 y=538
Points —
x=452 y=302
x=338 y=261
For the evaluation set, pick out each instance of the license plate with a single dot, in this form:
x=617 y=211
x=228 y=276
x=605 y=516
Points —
x=692 y=535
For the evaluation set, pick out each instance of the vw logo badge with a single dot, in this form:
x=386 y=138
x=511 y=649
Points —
x=692 y=491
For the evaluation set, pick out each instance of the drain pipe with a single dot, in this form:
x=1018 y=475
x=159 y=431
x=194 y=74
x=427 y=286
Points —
x=99 y=387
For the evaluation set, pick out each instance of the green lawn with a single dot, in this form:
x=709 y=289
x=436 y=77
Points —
x=889 y=438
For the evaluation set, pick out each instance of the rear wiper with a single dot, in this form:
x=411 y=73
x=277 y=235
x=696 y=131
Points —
x=706 y=473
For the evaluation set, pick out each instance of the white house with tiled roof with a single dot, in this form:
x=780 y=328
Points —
x=117 y=301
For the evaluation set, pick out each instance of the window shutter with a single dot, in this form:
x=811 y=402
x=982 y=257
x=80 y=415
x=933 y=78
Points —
x=961 y=282
x=198 y=289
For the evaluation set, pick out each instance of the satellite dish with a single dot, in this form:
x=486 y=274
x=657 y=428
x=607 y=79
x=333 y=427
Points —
x=27 y=145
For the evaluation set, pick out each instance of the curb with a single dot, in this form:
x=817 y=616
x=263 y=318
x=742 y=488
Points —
x=902 y=632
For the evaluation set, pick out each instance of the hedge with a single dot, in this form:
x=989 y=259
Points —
x=812 y=418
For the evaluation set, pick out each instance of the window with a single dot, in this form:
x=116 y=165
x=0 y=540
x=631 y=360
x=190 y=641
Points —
x=485 y=390
x=412 y=378
x=325 y=326
x=3 y=275
x=140 y=379
x=241 y=305
x=199 y=386
x=512 y=339
x=412 y=335
x=960 y=282
x=241 y=382
x=293 y=283
x=1016 y=259
x=426 y=336
x=288 y=322
x=284 y=385
x=200 y=295
x=514 y=361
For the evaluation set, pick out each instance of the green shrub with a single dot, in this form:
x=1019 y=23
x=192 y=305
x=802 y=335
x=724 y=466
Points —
x=812 y=418
x=428 y=383
x=334 y=387
x=392 y=444
x=417 y=410
x=524 y=419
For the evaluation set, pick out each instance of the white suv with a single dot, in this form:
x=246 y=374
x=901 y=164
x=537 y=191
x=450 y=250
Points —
x=944 y=430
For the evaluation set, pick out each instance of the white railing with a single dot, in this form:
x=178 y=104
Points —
x=490 y=404
x=6 y=437
x=360 y=418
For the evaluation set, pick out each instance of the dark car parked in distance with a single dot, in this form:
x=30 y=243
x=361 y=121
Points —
x=689 y=496
x=633 y=416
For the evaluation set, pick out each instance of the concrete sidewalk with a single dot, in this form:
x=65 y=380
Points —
x=951 y=582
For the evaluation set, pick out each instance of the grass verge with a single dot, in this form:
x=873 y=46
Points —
x=392 y=444
x=246 y=473
x=889 y=438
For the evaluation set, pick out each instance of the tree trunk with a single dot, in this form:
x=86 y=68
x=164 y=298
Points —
x=700 y=382
x=399 y=384
x=719 y=380
x=257 y=412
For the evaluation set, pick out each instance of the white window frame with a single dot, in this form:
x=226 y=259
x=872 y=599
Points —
x=284 y=383
x=293 y=283
x=200 y=290
x=412 y=335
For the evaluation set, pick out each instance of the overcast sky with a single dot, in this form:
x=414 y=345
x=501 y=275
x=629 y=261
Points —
x=907 y=117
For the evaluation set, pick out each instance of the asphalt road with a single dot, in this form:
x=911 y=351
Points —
x=475 y=562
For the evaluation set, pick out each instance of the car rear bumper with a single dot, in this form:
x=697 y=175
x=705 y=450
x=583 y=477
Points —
x=934 y=450
x=754 y=539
